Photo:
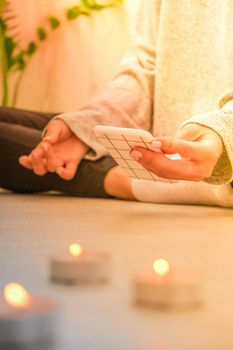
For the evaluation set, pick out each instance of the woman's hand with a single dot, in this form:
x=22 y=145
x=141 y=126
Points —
x=59 y=151
x=199 y=147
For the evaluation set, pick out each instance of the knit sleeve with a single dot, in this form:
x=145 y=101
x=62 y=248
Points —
x=128 y=98
x=221 y=121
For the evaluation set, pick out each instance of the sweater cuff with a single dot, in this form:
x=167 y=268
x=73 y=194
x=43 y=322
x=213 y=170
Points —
x=84 y=132
x=221 y=121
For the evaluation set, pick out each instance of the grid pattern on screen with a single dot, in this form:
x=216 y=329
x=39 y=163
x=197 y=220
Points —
x=119 y=148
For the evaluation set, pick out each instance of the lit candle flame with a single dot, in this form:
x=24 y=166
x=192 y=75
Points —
x=75 y=249
x=16 y=295
x=161 y=267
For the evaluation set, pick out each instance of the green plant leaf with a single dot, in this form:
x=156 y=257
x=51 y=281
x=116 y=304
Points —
x=20 y=60
x=32 y=47
x=54 y=22
x=73 y=12
x=85 y=3
x=9 y=50
x=42 y=35
x=2 y=26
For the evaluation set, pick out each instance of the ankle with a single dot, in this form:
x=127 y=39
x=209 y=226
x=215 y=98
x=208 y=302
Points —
x=118 y=184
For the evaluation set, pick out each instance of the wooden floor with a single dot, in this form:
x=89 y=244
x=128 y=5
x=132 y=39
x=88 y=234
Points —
x=104 y=317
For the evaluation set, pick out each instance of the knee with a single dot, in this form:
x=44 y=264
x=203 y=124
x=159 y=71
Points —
x=6 y=114
x=7 y=131
x=19 y=134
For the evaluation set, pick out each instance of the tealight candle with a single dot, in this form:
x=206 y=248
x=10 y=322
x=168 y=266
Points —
x=165 y=287
x=25 y=320
x=77 y=265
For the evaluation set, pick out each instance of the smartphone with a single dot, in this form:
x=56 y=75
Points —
x=120 y=141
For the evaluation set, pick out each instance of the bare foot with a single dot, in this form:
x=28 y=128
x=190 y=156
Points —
x=118 y=184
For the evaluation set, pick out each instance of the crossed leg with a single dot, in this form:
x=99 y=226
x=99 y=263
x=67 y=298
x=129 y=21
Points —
x=20 y=132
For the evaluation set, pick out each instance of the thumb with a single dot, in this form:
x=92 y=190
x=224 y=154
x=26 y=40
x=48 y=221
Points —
x=55 y=131
x=189 y=149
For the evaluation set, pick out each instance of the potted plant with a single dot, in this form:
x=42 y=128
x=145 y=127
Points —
x=15 y=58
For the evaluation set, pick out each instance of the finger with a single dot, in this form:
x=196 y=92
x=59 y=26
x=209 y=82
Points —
x=51 y=161
x=67 y=172
x=187 y=149
x=38 y=165
x=26 y=162
x=170 y=169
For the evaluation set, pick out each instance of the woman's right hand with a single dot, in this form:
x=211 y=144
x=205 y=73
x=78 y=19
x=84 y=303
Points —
x=60 y=151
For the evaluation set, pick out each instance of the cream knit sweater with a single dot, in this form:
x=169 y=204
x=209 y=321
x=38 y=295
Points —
x=179 y=69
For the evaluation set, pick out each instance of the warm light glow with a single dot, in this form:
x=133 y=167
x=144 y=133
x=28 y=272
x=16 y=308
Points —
x=75 y=249
x=16 y=295
x=161 y=267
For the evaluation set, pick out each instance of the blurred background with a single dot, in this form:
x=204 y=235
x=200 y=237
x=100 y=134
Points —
x=61 y=53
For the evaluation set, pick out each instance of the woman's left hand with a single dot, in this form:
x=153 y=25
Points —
x=199 y=147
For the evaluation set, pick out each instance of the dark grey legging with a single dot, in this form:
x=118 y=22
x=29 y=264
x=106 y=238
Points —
x=20 y=132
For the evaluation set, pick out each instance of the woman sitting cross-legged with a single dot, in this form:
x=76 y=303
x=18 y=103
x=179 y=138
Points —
x=175 y=82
